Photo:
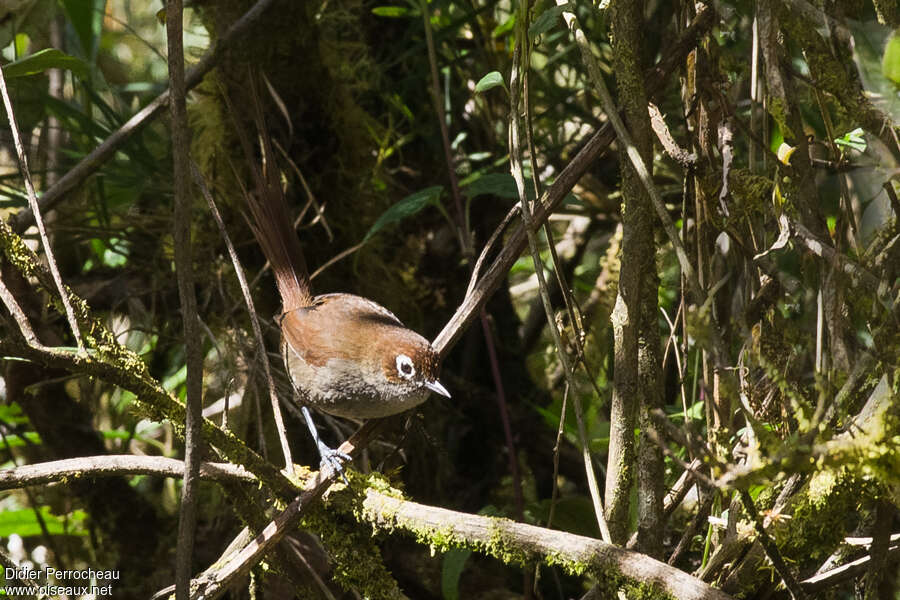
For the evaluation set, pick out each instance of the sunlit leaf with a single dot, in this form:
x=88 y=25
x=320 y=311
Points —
x=890 y=64
x=853 y=139
x=504 y=27
x=784 y=152
x=49 y=58
x=17 y=440
x=391 y=11
x=24 y=522
x=489 y=81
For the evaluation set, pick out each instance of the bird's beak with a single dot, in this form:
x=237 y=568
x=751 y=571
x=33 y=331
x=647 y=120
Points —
x=435 y=386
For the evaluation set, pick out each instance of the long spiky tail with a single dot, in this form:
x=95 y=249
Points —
x=271 y=222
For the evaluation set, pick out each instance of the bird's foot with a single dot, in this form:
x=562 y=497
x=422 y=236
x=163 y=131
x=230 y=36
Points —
x=333 y=460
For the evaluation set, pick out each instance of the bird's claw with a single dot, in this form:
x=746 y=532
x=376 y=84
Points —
x=334 y=460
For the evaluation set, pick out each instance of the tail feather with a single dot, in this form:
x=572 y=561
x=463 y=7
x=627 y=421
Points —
x=270 y=220
x=272 y=226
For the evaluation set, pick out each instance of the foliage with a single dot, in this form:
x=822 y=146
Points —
x=780 y=378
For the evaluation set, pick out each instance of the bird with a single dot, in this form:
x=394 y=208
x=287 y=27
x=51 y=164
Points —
x=345 y=355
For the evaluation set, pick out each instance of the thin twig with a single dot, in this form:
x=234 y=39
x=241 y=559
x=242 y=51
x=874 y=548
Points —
x=515 y=153
x=18 y=314
x=632 y=152
x=254 y=319
x=465 y=238
x=39 y=221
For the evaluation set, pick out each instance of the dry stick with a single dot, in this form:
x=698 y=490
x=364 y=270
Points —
x=571 y=304
x=334 y=259
x=565 y=181
x=877 y=574
x=473 y=278
x=33 y=203
x=184 y=273
x=515 y=152
x=892 y=197
x=554 y=494
x=827 y=252
x=295 y=547
x=311 y=198
x=822 y=581
x=254 y=319
x=658 y=123
x=572 y=308
x=105 y=151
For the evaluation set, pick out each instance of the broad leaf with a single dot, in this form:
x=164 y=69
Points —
x=49 y=58
x=451 y=568
x=489 y=81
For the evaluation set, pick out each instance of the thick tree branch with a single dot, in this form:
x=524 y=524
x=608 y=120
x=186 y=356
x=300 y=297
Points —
x=502 y=538
x=518 y=542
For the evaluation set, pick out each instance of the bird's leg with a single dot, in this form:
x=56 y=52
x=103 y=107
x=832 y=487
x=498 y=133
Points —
x=329 y=457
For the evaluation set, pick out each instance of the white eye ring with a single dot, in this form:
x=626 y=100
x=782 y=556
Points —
x=405 y=367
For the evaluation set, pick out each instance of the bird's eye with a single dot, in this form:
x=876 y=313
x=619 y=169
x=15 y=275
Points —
x=405 y=366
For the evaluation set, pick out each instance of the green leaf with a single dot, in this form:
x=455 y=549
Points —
x=16 y=440
x=574 y=514
x=391 y=11
x=25 y=523
x=49 y=58
x=12 y=414
x=890 y=63
x=451 y=568
x=489 y=81
x=86 y=17
x=22 y=41
x=853 y=139
x=407 y=207
x=504 y=27
x=547 y=20
x=501 y=185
